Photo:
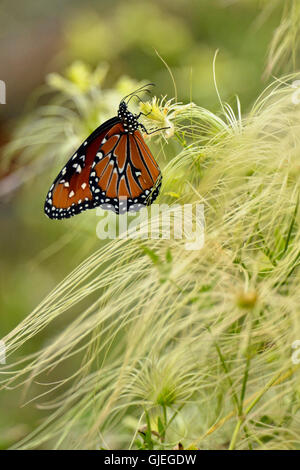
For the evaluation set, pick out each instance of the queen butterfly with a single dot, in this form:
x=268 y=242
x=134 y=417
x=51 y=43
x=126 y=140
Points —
x=113 y=168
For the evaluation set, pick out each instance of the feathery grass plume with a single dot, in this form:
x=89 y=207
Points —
x=168 y=346
x=284 y=47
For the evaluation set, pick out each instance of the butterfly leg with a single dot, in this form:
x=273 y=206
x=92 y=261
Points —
x=142 y=114
x=152 y=132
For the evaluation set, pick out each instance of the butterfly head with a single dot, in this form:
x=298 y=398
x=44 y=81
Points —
x=128 y=119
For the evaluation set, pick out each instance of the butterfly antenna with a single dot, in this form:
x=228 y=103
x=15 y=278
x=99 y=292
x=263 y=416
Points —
x=141 y=89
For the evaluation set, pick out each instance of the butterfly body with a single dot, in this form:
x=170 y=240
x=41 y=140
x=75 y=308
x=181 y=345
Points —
x=113 y=168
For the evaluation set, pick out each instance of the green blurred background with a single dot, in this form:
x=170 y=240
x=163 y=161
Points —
x=38 y=38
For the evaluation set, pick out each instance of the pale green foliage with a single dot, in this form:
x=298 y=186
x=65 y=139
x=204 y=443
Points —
x=194 y=344
x=284 y=47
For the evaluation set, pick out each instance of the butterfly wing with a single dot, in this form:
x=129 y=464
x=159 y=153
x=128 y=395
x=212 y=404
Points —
x=124 y=176
x=70 y=193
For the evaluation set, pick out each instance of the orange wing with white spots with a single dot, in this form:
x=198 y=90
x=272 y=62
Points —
x=70 y=193
x=124 y=176
x=113 y=168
